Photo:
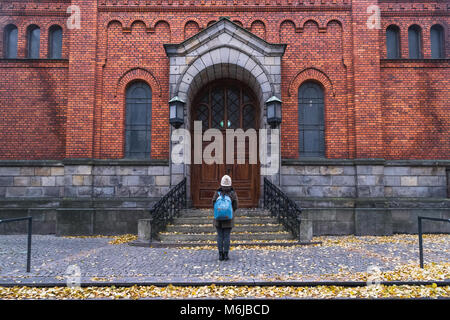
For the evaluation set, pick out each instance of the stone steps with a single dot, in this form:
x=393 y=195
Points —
x=192 y=228
x=237 y=220
x=238 y=213
x=196 y=226
x=270 y=236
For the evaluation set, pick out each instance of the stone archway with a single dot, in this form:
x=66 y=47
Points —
x=224 y=50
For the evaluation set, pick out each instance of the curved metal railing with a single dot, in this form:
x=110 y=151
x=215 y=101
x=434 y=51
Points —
x=282 y=207
x=168 y=207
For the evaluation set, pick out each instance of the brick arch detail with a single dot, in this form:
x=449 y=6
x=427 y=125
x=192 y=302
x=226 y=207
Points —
x=335 y=19
x=308 y=19
x=193 y=19
x=136 y=21
x=138 y=74
x=311 y=74
x=286 y=21
x=113 y=21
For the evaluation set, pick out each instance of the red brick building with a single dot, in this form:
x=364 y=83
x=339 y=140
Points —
x=376 y=72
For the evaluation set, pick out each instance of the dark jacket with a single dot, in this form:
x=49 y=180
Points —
x=234 y=202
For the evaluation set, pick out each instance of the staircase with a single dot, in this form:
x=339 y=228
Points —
x=251 y=226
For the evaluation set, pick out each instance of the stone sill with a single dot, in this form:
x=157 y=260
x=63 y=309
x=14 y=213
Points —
x=91 y=162
x=353 y=162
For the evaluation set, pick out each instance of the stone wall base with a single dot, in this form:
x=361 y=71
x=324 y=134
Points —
x=329 y=216
x=340 y=197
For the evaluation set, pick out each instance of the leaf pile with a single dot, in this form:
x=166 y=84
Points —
x=225 y=292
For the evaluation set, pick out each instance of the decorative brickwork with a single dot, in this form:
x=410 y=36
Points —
x=75 y=108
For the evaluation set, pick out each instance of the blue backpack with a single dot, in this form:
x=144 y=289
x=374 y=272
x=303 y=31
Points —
x=223 y=210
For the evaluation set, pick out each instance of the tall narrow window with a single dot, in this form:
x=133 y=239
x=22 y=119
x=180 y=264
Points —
x=311 y=120
x=10 y=41
x=55 y=42
x=393 y=42
x=415 y=42
x=437 y=42
x=33 y=41
x=138 y=120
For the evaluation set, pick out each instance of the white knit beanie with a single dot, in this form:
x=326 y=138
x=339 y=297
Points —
x=226 y=181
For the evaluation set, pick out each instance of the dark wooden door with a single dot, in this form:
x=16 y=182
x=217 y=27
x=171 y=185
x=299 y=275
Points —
x=225 y=105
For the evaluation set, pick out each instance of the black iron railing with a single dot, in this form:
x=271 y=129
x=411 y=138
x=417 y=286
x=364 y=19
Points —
x=420 y=218
x=284 y=209
x=167 y=208
x=30 y=226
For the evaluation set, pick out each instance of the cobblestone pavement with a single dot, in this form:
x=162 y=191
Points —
x=100 y=261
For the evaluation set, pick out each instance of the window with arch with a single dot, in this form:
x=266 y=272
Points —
x=33 y=41
x=437 y=42
x=138 y=120
x=415 y=42
x=311 y=120
x=10 y=41
x=393 y=42
x=55 y=42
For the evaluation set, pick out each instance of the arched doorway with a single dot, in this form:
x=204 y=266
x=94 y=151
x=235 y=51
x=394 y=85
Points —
x=225 y=104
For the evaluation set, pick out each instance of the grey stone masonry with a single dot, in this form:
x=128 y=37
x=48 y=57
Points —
x=368 y=196
x=365 y=179
x=85 y=179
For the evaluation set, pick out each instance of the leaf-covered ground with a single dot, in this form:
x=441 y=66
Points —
x=111 y=259
x=226 y=292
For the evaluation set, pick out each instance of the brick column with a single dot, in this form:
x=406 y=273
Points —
x=81 y=88
x=367 y=96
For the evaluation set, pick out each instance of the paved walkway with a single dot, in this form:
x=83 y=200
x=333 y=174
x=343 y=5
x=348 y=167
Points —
x=99 y=261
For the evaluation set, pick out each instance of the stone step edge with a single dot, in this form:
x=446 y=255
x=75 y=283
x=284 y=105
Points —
x=155 y=244
x=213 y=233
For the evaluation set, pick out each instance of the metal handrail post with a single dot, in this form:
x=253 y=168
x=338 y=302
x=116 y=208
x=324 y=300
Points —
x=30 y=221
x=420 y=218
x=420 y=242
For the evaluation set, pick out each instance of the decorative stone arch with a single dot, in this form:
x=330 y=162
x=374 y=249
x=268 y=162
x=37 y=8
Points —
x=137 y=74
x=224 y=50
x=311 y=74
x=224 y=55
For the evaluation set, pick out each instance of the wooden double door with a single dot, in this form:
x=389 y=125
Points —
x=222 y=105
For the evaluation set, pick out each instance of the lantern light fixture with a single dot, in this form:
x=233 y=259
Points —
x=273 y=105
x=176 y=112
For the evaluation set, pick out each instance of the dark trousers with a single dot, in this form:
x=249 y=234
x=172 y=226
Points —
x=223 y=239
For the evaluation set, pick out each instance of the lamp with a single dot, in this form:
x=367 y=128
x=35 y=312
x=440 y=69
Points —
x=273 y=105
x=176 y=112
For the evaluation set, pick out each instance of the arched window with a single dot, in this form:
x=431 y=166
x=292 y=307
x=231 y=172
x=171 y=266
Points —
x=437 y=42
x=138 y=120
x=415 y=42
x=10 y=41
x=311 y=120
x=393 y=42
x=33 y=41
x=55 y=42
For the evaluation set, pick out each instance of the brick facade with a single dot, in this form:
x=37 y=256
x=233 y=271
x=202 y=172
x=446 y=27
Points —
x=374 y=108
